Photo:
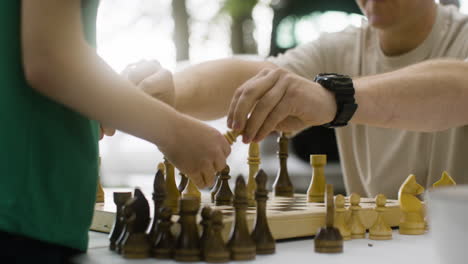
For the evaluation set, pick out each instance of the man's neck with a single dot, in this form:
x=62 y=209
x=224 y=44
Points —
x=406 y=37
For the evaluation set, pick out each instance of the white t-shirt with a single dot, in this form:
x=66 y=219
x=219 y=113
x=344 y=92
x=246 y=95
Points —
x=377 y=160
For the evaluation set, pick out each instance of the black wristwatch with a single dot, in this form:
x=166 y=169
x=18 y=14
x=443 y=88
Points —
x=342 y=87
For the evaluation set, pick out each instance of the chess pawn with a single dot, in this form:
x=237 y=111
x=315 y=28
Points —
x=188 y=243
x=254 y=162
x=380 y=230
x=340 y=217
x=282 y=185
x=117 y=229
x=173 y=194
x=216 y=187
x=136 y=244
x=445 y=180
x=412 y=222
x=224 y=194
x=100 y=191
x=159 y=195
x=328 y=238
x=182 y=183
x=206 y=224
x=264 y=241
x=357 y=228
x=316 y=190
x=164 y=241
x=241 y=245
x=191 y=191
x=215 y=250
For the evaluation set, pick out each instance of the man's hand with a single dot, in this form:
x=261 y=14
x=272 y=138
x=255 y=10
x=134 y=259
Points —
x=153 y=79
x=279 y=100
x=196 y=149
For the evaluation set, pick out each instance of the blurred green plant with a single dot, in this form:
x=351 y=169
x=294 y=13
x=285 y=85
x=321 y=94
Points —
x=238 y=8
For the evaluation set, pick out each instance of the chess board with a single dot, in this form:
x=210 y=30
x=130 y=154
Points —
x=288 y=217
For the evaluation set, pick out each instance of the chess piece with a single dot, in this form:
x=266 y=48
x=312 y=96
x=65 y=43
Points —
x=119 y=199
x=282 y=185
x=355 y=223
x=264 y=241
x=254 y=161
x=231 y=136
x=159 y=195
x=241 y=245
x=328 y=238
x=216 y=187
x=191 y=191
x=445 y=180
x=188 y=243
x=100 y=191
x=380 y=230
x=173 y=194
x=412 y=222
x=215 y=250
x=224 y=194
x=206 y=224
x=340 y=217
x=136 y=244
x=316 y=190
x=182 y=183
x=164 y=241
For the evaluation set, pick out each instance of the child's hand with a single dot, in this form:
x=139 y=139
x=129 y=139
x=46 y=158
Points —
x=196 y=149
x=153 y=79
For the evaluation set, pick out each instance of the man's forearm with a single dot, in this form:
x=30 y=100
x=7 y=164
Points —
x=205 y=90
x=429 y=96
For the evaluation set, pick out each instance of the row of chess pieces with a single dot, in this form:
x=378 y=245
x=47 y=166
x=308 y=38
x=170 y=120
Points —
x=133 y=236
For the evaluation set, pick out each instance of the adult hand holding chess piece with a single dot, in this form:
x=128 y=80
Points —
x=195 y=148
x=279 y=100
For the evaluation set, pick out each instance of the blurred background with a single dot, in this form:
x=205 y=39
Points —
x=181 y=32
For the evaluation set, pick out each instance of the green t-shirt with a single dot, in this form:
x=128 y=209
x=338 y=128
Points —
x=48 y=153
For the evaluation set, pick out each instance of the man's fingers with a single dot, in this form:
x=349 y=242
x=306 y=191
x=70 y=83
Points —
x=262 y=109
x=278 y=114
x=249 y=97
x=237 y=94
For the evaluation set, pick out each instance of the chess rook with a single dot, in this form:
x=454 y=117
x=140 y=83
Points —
x=118 y=227
x=282 y=185
x=316 y=190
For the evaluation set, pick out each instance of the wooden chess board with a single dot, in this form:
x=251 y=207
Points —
x=288 y=217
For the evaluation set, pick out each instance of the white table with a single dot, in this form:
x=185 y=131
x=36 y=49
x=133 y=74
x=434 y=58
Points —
x=400 y=250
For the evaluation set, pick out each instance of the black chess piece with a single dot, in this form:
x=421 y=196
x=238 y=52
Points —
x=264 y=241
x=282 y=185
x=224 y=194
x=136 y=243
x=216 y=187
x=159 y=195
x=188 y=243
x=117 y=229
x=241 y=245
x=164 y=242
x=215 y=250
x=206 y=224
x=329 y=239
x=182 y=183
